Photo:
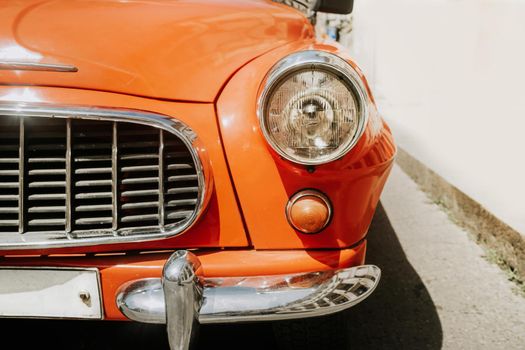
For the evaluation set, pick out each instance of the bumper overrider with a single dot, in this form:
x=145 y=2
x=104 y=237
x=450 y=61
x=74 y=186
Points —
x=182 y=299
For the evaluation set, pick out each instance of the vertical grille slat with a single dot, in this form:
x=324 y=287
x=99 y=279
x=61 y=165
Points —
x=115 y=177
x=69 y=178
x=161 y=214
x=68 y=183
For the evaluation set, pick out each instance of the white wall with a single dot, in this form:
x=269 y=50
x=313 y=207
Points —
x=449 y=77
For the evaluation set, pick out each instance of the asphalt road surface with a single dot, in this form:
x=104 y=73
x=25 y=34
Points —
x=437 y=291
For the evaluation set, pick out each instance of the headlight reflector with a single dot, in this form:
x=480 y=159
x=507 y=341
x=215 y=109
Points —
x=313 y=107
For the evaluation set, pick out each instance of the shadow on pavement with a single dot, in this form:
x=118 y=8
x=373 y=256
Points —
x=400 y=314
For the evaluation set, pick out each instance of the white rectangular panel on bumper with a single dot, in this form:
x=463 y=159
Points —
x=50 y=293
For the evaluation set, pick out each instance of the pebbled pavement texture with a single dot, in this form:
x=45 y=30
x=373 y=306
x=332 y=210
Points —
x=437 y=291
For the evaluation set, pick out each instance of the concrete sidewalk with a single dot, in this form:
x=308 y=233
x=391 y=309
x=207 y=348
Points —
x=437 y=291
x=452 y=297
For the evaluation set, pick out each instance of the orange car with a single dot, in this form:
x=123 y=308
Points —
x=187 y=162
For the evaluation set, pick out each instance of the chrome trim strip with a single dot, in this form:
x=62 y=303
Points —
x=324 y=61
x=68 y=178
x=169 y=124
x=252 y=298
x=21 y=174
x=34 y=66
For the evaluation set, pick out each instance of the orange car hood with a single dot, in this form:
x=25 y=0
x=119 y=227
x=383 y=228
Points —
x=177 y=50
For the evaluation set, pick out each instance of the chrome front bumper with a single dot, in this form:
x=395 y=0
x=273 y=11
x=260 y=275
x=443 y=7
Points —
x=182 y=299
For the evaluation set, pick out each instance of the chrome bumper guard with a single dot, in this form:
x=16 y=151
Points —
x=182 y=299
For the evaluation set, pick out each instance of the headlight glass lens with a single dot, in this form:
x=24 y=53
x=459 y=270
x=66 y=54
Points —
x=311 y=115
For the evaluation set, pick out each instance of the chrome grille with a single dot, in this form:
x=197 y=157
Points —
x=44 y=197
x=66 y=179
x=9 y=171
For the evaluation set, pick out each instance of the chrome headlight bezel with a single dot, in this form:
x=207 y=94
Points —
x=322 y=61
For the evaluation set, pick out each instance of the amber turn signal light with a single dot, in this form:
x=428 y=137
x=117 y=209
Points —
x=309 y=211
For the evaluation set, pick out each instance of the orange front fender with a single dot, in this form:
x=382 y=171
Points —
x=264 y=181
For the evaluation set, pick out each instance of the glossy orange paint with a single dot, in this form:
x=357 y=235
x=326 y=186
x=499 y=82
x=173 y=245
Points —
x=264 y=181
x=178 y=50
x=217 y=54
x=220 y=226
x=117 y=270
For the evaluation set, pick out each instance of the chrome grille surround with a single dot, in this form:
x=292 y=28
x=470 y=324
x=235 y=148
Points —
x=169 y=224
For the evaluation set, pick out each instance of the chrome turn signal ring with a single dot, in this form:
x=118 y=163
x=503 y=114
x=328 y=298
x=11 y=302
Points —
x=309 y=211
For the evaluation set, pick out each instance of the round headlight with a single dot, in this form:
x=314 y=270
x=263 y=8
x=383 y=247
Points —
x=312 y=107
